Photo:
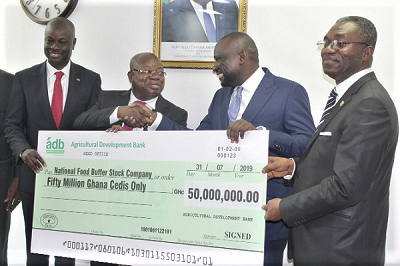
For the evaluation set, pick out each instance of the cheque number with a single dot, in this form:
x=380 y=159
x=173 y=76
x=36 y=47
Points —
x=226 y=196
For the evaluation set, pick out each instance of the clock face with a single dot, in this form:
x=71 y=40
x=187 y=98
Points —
x=42 y=11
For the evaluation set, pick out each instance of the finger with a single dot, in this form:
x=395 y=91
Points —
x=243 y=130
x=14 y=205
x=41 y=160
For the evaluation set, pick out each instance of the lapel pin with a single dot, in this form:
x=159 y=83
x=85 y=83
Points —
x=78 y=79
x=341 y=103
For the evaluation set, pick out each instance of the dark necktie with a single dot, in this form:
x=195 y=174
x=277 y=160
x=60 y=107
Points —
x=57 y=101
x=127 y=127
x=329 y=105
x=234 y=107
x=208 y=24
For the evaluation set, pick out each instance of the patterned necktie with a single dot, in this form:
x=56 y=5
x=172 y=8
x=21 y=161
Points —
x=57 y=101
x=234 y=107
x=127 y=127
x=208 y=24
x=329 y=105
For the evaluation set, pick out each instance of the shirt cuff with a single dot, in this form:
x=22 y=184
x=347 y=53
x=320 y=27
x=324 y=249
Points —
x=289 y=177
x=114 y=116
x=156 y=122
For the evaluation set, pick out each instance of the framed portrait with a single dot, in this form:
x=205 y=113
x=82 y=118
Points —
x=186 y=31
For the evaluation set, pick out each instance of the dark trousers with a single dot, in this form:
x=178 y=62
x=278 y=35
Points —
x=4 y=229
x=273 y=252
x=31 y=258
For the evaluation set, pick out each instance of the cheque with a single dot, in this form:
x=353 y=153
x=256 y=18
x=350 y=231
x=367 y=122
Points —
x=168 y=198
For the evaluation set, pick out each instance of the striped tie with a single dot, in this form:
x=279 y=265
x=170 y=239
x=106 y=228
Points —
x=329 y=105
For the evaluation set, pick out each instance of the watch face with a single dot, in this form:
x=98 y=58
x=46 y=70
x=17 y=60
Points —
x=42 y=11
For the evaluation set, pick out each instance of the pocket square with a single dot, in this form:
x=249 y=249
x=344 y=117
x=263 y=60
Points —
x=327 y=133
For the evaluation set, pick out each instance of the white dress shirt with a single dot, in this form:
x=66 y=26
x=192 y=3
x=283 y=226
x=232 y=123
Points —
x=51 y=78
x=151 y=104
x=199 y=12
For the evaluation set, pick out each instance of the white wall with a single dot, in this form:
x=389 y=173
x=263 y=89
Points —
x=109 y=33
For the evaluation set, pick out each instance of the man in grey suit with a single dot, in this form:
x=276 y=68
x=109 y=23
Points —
x=34 y=108
x=147 y=78
x=9 y=198
x=338 y=213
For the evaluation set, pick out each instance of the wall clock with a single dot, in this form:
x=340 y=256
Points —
x=42 y=11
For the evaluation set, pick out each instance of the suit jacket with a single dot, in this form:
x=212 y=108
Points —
x=181 y=24
x=6 y=165
x=339 y=209
x=98 y=117
x=31 y=111
x=280 y=105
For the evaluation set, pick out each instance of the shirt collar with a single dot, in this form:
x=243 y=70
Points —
x=342 y=87
x=51 y=70
x=254 y=80
x=151 y=104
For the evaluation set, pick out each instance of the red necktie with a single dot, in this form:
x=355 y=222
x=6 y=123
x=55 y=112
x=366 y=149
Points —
x=129 y=128
x=57 y=102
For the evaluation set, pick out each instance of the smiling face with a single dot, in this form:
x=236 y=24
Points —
x=353 y=57
x=227 y=63
x=59 y=42
x=146 y=86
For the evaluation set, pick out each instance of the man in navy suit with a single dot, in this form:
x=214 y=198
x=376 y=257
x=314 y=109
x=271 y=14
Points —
x=31 y=111
x=183 y=21
x=268 y=102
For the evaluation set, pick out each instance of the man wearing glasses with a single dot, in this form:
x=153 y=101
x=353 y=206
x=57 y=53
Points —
x=338 y=213
x=147 y=79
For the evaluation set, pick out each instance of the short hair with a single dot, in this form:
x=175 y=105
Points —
x=245 y=43
x=366 y=28
x=62 y=21
x=137 y=59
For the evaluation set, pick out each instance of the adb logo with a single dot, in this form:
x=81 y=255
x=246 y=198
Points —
x=54 y=147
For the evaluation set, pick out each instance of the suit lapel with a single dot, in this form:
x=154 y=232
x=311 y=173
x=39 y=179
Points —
x=343 y=101
x=189 y=16
x=39 y=87
x=219 y=19
x=226 y=98
x=260 y=97
x=74 y=90
x=161 y=105
x=123 y=98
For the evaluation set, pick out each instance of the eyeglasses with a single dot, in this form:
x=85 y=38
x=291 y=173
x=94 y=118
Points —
x=150 y=73
x=336 y=44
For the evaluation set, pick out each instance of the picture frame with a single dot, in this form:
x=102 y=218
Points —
x=187 y=48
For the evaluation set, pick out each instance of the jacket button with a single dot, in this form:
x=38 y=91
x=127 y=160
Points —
x=278 y=147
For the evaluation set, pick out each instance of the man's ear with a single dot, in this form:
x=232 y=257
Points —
x=130 y=76
x=243 y=56
x=368 y=52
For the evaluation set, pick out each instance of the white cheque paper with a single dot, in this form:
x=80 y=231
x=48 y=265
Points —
x=171 y=197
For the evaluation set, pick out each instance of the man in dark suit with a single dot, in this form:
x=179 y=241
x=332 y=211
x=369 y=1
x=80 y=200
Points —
x=34 y=108
x=8 y=202
x=147 y=79
x=183 y=21
x=267 y=102
x=339 y=210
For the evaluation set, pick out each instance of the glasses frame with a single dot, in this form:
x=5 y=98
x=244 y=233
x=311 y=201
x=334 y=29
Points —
x=334 y=44
x=151 y=73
